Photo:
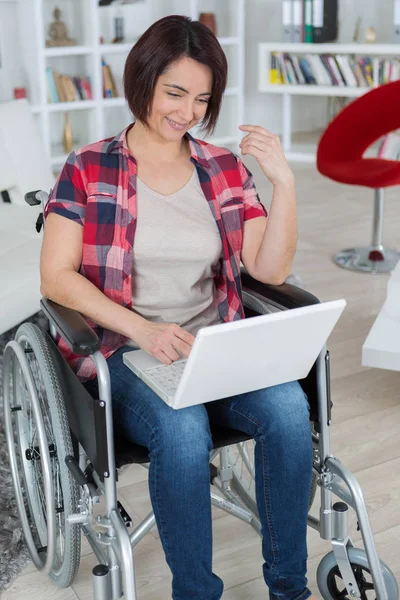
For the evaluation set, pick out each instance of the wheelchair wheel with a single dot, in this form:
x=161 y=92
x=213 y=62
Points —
x=242 y=461
x=331 y=585
x=38 y=439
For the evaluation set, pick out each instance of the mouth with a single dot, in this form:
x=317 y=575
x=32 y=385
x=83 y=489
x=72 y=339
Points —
x=177 y=126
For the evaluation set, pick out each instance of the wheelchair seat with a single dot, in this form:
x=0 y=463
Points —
x=87 y=421
x=127 y=453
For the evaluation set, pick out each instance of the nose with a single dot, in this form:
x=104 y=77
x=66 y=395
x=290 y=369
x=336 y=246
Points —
x=186 y=110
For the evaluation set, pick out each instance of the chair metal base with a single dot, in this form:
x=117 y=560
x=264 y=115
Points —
x=371 y=259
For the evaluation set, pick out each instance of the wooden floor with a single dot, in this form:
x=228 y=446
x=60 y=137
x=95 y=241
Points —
x=366 y=417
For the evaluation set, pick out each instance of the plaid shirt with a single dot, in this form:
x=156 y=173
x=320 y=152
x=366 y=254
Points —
x=97 y=189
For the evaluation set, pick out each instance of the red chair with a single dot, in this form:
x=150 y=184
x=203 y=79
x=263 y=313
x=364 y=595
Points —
x=340 y=157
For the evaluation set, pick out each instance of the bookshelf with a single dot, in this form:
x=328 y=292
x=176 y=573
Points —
x=88 y=23
x=265 y=50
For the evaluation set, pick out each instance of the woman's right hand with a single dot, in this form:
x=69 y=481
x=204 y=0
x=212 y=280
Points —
x=165 y=341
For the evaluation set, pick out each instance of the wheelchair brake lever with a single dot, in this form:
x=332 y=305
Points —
x=76 y=471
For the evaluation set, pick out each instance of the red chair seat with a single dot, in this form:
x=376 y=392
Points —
x=368 y=172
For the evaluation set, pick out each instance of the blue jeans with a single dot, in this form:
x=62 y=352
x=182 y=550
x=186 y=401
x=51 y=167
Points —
x=180 y=442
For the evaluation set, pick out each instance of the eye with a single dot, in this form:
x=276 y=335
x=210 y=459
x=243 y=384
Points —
x=205 y=101
x=174 y=95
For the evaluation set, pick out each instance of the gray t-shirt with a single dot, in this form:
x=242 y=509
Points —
x=176 y=255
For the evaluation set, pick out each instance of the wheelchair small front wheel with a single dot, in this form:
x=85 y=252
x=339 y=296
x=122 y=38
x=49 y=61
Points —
x=38 y=439
x=331 y=585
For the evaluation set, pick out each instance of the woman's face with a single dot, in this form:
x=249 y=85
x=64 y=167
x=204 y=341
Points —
x=180 y=99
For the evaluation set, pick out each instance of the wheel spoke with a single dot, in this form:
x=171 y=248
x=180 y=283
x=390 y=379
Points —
x=368 y=586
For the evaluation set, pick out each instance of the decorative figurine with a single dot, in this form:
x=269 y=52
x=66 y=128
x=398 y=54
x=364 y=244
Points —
x=370 y=35
x=58 y=32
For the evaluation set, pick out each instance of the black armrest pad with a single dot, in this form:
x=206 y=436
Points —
x=72 y=327
x=286 y=295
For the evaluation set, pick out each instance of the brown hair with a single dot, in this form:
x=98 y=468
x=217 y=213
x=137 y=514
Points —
x=165 y=42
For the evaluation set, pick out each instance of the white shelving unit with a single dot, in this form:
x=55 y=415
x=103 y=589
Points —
x=102 y=117
x=288 y=91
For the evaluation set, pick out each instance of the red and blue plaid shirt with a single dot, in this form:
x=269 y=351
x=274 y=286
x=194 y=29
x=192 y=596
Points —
x=97 y=189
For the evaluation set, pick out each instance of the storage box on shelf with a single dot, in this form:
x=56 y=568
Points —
x=91 y=27
x=348 y=76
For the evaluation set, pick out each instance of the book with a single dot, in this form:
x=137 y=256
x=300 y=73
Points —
x=396 y=21
x=290 y=69
x=112 y=81
x=274 y=75
x=336 y=70
x=329 y=70
x=59 y=87
x=346 y=70
x=297 y=21
x=299 y=73
x=308 y=21
x=283 y=70
x=318 y=70
x=325 y=21
x=389 y=148
x=287 y=20
x=51 y=84
x=367 y=70
x=307 y=71
x=88 y=87
x=107 y=84
x=358 y=74
x=78 y=85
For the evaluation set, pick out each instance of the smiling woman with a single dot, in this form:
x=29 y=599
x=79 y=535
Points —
x=145 y=233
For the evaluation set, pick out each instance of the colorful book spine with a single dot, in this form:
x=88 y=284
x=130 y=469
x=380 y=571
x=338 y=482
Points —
x=52 y=89
x=308 y=21
x=274 y=75
x=107 y=83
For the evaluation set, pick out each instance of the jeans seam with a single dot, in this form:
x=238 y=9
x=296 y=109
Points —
x=266 y=486
x=153 y=435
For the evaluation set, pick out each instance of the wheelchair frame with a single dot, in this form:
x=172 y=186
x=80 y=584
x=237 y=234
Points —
x=115 y=574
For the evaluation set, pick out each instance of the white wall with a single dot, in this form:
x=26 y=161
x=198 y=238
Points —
x=11 y=68
x=263 y=24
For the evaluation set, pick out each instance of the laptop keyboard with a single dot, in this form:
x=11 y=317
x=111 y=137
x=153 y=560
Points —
x=167 y=377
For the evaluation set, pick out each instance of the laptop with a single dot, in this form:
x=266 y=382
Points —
x=241 y=356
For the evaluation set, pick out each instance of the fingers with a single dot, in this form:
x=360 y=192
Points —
x=162 y=357
x=172 y=343
x=255 y=144
x=257 y=129
x=261 y=135
x=184 y=335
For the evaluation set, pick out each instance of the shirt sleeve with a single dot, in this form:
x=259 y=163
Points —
x=68 y=197
x=252 y=204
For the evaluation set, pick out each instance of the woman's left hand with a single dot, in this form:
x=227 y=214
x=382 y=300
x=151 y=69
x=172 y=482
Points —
x=267 y=150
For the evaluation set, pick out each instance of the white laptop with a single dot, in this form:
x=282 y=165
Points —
x=250 y=354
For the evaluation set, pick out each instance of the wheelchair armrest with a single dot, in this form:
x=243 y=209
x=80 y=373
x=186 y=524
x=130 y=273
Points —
x=72 y=327
x=285 y=295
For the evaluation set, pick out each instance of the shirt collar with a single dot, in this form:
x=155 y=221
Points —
x=197 y=149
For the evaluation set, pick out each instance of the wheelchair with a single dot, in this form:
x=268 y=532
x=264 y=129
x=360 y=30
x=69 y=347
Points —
x=64 y=456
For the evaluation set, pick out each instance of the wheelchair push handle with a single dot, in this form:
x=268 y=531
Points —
x=36 y=197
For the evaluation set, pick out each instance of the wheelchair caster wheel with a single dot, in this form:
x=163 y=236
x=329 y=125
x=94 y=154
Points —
x=331 y=585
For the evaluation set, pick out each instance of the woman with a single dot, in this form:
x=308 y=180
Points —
x=144 y=236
